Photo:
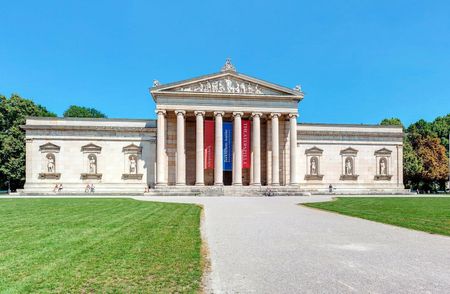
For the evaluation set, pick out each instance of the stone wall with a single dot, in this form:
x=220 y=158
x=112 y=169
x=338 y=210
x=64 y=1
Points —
x=71 y=144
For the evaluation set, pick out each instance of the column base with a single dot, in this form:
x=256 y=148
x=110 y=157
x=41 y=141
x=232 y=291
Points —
x=237 y=184
x=275 y=184
x=255 y=184
x=199 y=184
x=180 y=184
x=218 y=184
x=161 y=185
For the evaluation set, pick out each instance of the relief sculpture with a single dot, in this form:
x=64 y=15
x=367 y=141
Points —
x=225 y=85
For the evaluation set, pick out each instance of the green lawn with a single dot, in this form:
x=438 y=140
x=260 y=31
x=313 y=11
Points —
x=430 y=214
x=99 y=245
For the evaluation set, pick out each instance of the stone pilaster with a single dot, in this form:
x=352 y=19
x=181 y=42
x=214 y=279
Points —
x=181 y=151
x=199 y=147
x=218 y=149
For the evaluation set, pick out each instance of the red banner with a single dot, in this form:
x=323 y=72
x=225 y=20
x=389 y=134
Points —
x=208 y=141
x=246 y=125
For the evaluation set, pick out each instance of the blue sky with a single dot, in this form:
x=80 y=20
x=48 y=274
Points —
x=357 y=61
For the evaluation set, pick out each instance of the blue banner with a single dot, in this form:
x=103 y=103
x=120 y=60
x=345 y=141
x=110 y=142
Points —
x=227 y=139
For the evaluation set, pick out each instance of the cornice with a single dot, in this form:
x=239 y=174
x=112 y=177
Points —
x=88 y=128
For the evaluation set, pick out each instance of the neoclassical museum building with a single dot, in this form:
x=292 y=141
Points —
x=220 y=133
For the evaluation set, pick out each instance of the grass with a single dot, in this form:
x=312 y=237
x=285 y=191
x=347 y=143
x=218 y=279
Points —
x=430 y=214
x=99 y=245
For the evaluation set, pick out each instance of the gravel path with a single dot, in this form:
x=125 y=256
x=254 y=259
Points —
x=272 y=245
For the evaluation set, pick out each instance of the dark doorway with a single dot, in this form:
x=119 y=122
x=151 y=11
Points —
x=227 y=178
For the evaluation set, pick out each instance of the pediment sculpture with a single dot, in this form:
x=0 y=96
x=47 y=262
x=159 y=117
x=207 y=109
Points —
x=226 y=85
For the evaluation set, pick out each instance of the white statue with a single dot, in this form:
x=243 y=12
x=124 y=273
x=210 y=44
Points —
x=156 y=83
x=383 y=167
x=242 y=88
x=348 y=167
x=133 y=169
x=221 y=87
x=92 y=165
x=298 y=88
x=313 y=166
x=229 y=85
x=228 y=65
x=51 y=164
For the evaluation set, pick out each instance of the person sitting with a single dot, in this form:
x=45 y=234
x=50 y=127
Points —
x=87 y=189
x=92 y=188
x=55 y=189
x=60 y=187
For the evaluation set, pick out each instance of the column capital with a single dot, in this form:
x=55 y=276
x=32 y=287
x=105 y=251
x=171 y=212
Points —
x=160 y=111
x=219 y=113
x=178 y=112
x=201 y=113
x=259 y=114
x=291 y=115
x=275 y=114
x=238 y=113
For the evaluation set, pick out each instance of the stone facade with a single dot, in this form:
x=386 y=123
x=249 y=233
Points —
x=120 y=155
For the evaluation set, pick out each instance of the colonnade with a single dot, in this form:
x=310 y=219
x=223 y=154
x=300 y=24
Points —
x=161 y=161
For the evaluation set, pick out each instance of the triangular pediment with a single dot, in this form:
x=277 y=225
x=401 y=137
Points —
x=314 y=151
x=227 y=83
x=132 y=148
x=91 y=148
x=383 y=151
x=49 y=147
x=349 y=151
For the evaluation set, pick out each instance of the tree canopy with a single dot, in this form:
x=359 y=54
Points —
x=425 y=153
x=13 y=112
x=81 y=111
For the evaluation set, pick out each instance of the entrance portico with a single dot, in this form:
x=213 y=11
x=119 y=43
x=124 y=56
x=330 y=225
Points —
x=268 y=111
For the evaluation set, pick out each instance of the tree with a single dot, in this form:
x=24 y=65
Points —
x=434 y=160
x=441 y=127
x=412 y=165
x=391 y=122
x=80 y=111
x=13 y=112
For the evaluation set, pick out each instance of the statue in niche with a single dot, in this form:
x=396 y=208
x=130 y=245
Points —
x=50 y=163
x=348 y=166
x=383 y=170
x=313 y=166
x=92 y=164
x=133 y=164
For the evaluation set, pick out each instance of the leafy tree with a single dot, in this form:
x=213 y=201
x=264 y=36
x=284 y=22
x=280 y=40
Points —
x=391 y=122
x=441 y=127
x=412 y=165
x=13 y=112
x=80 y=111
x=435 y=162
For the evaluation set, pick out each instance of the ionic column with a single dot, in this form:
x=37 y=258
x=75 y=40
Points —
x=293 y=149
x=160 y=148
x=181 y=155
x=256 y=149
x=237 y=149
x=275 y=150
x=199 y=147
x=218 y=149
